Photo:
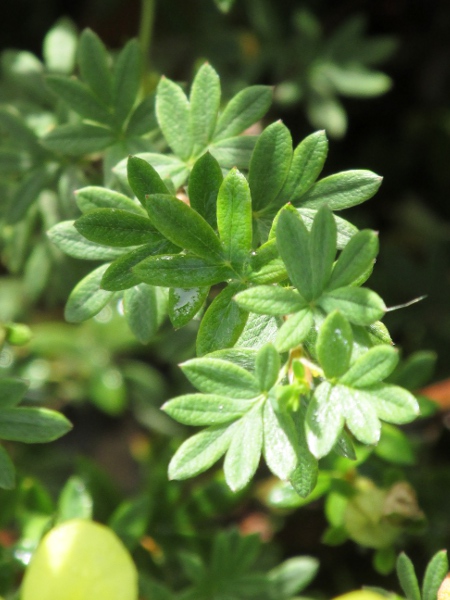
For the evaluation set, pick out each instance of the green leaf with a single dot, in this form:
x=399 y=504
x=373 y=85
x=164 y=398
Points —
x=334 y=345
x=13 y=124
x=307 y=163
x=173 y=113
x=116 y=227
x=79 y=98
x=145 y=308
x=168 y=167
x=355 y=259
x=416 y=370
x=204 y=183
x=324 y=420
x=322 y=247
x=180 y=270
x=293 y=246
x=59 y=47
x=259 y=330
x=205 y=102
x=216 y=376
x=279 y=450
x=359 y=305
x=143 y=179
x=32 y=425
x=342 y=190
x=372 y=367
x=234 y=152
x=292 y=576
x=183 y=226
x=267 y=367
x=94 y=65
x=392 y=403
x=295 y=330
x=12 y=391
x=200 y=452
x=244 y=109
x=87 y=299
x=395 y=447
x=206 y=409
x=126 y=79
x=345 y=230
x=77 y=139
x=360 y=414
x=434 y=575
x=234 y=218
x=143 y=118
x=7 y=471
x=222 y=323
x=407 y=577
x=243 y=455
x=91 y=197
x=120 y=274
x=270 y=300
x=75 y=501
x=269 y=165
x=224 y=5
x=26 y=193
x=184 y=304
x=66 y=238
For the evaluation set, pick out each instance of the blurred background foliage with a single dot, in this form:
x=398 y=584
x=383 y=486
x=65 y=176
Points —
x=376 y=76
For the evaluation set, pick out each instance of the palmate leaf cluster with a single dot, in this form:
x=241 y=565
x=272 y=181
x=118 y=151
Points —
x=292 y=357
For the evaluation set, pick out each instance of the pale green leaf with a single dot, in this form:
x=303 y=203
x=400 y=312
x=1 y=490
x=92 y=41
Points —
x=87 y=298
x=206 y=409
x=173 y=113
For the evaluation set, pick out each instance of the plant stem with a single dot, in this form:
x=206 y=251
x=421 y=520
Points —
x=146 y=29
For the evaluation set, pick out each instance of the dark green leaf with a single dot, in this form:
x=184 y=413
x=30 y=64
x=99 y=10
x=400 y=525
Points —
x=12 y=391
x=434 y=575
x=143 y=179
x=205 y=102
x=216 y=376
x=77 y=139
x=204 y=183
x=407 y=577
x=17 y=130
x=307 y=163
x=206 y=409
x=173 y=112
x=92 y=197
x=395 y=447
x=359 y=305
x=7 y=471
x=126 y=79
x=26 y=193
x=200 y=452
x=234 y=218
x=293 y=246
x=80 y=99
x=269 y=165
x=334 y=345
x=342 y=190
x=116 y=227
x=87 y=298
x=222 y=323
x=145 y=309
x=243 y=455
x=184 y=304
x=183 y=226
x=244 y=109
x=267 y=367
x=94 y=66
x=32 y=425
x=372 y=367
x=270 y=300
x=355 y=259
x=180 y=270
x=322 y=247
x=143 y=118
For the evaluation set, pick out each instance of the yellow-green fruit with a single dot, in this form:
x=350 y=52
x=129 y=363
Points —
x=80 y=560
x=360 y=595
